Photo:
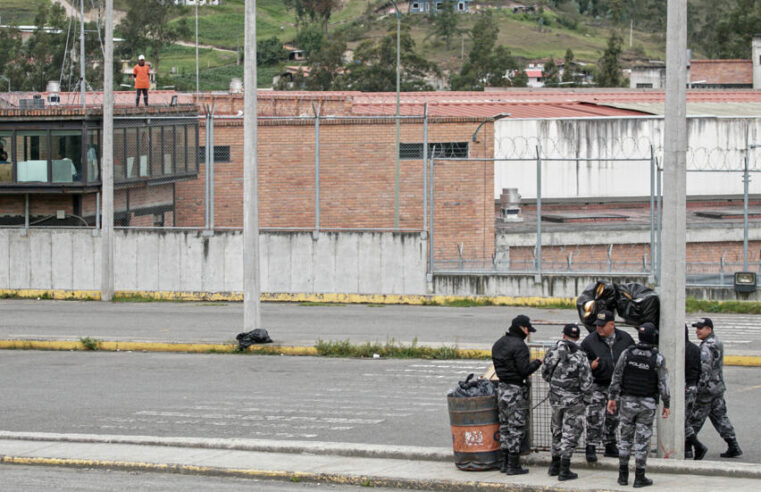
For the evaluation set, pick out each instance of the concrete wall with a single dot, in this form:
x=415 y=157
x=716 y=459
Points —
x=715 y=143
x=346 y=262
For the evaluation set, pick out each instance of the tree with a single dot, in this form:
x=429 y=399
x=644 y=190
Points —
x=314 y=10
x=736 y=28
x=270 y=51
x=327 y=67
x=309 y=39
x=568 y=67
x=609 y=65
x=44 y=50
x=486 y=65
x=375 y=65
x=146 y=29
x=445 y=23
x=551 y=73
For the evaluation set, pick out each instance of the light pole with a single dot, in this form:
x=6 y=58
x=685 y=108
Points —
x=492 y=119
x=196 y=51
x=396 y=169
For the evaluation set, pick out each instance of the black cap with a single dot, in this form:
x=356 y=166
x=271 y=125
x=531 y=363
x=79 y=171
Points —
x=703 y=322
x=648 y=333
x=523 y=320
x=571 y=330
x=603 y=317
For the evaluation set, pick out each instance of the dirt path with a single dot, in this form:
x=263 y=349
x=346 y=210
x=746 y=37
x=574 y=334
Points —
x=90 y=15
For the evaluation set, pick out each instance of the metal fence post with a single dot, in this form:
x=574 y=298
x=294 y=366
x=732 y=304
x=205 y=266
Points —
x=538 y=276
x=316 y=111
x=431 y=222
x=746 y=182
x=26 y=215
x=652 y=214
x=660 y=221
x=207 y=169
x=425 y=163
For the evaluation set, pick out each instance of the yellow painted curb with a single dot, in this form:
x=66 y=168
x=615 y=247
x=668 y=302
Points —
x=742 y=360
x=334 y=478
x=152 y=347
x=334 y=298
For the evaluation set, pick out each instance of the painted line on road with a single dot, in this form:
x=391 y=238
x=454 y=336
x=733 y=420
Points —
x=334 y=478
x=112 y=346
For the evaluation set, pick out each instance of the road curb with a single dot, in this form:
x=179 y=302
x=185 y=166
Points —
x=229 y=348
x=409 y=453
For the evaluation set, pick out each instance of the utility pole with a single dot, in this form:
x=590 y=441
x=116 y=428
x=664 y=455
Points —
x=398 y=71
x=82 y=83
x=197 y=51
x=671 y=431
x=251 y=311
x=107 y=163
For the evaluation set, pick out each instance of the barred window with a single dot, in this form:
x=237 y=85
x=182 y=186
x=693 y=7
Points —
x=221 y=153
x=439 y=150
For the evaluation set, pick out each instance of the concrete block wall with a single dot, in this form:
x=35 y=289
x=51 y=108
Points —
x=346 y=262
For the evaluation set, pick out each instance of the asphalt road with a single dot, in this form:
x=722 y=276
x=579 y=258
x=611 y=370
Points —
x=374 y=401
x=296 y=324
x=44 y=479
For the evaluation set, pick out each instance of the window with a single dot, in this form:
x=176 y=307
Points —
x=192 y=152
x=644 y=86
x=66 y=146
x=92 y=155
x=119 y=160
x=32 y=154
x=179 y=159
x=6 y=166
x=414 y=151
x=157 y=156
x=132 y=153
x=221 y=153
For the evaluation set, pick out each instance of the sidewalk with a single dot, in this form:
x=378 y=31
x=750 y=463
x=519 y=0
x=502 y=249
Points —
x=378 y=466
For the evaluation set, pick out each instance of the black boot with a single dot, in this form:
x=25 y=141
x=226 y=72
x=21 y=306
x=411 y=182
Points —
x=623 y=474
x=688 y=455
x=514 y=465
x=733 y=451
x=565 y=470
x=700 y=448
x=611 y=450
x=503 y=466
x=591 y=456
x=640 y=480
x=554 y=466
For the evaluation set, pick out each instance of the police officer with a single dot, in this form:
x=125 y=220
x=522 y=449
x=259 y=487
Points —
x=710 y=399
x=603 y=348
x=640 y=376
x=511 y=356
x=566 y=369
x=691 y=378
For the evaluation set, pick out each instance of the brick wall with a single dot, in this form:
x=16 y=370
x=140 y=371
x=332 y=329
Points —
x=357 y=180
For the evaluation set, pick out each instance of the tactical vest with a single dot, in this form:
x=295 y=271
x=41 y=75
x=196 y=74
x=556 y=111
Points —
x=640 y=375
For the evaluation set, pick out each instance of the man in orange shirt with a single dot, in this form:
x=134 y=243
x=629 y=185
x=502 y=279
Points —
x=142 y=80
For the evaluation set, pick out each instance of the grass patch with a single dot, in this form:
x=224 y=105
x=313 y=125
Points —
x=218 y=78
x=89 y=343
x=693 y=305
x=20 y=12
x=141 y=298
x=389 y=349
x=488 y=301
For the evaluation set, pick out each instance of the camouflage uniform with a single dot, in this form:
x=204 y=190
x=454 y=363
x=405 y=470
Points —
x=638 y=412
x=690 y=396
x=601 y=426
x=710 y=392
x=513 y=415
x=566 y=369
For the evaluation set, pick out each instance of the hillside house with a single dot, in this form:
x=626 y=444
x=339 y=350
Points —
x=427 y=6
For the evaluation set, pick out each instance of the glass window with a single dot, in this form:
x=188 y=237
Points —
x=157 y=157
x=144 y=151
x=132 y=153
x=167 y=146
x=119 y=159
x=6 y=167
x=192 y=152
x=66 y=146
x=92 y=155
x=180 y=154
x=32 y=154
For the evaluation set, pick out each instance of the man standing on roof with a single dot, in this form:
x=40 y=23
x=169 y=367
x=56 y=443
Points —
x=141 y=72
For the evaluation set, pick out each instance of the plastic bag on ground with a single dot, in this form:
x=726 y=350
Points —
x=596 y=297
x=247 y=339
x=473 y=387
x=638 y=304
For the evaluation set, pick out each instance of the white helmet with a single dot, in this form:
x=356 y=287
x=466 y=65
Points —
x=141 y=57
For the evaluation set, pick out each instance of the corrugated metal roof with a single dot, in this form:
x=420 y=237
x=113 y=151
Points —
x=486 y=110
x=698 y=108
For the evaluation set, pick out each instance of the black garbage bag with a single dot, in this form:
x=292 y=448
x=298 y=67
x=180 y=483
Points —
x=596 y=297
x=638 y=304
x=473 y=387
x=247 y=339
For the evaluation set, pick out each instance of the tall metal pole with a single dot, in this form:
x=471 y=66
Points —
x=316 y=109
x=197 y=87
x=671 y=431
x=425 y=165
x=107 y=163
x=652 y=214
x=538 y=275
x=398 y=78
x=82 y=55
x=746 y=183
x=251 y=312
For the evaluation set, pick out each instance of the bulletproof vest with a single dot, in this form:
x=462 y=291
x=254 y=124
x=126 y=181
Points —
x=640 y=375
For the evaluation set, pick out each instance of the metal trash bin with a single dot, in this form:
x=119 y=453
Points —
x=475 y=432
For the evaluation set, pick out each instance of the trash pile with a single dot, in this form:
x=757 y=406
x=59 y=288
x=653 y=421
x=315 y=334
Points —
x=635 y=303
x=473 y=387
